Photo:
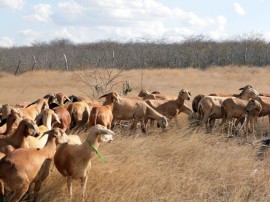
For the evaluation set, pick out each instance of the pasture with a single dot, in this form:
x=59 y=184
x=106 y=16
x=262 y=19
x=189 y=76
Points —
x=179 y=164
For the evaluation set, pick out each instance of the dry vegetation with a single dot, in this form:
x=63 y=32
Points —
x=176 y=165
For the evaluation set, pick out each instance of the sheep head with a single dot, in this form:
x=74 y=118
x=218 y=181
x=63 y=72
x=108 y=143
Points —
x=184 y=94
x=248 y=92
x=59 y=134
x=253 y=105
x=30 y=127
x=143 y=93
x=110 y=97
x=100 y=133
x=162 y=122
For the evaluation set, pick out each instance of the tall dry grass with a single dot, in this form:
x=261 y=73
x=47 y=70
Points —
x=179 y=164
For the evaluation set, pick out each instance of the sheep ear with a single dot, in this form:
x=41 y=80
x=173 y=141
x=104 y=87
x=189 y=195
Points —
x=189 y=93
x=241 y=88
x=56 y=117
x=103 y=96
x=35 y=102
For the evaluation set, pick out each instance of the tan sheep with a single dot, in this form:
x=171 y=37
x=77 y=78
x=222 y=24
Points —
x=74 y=161
x=35 y=108
x=139 y=111
x=209 y=108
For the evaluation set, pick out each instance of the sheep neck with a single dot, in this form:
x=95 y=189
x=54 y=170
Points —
x=18 y=137
x=96 y=151
x=179 y=101
x=47 y=120
x=50 y=147
x=88 y=148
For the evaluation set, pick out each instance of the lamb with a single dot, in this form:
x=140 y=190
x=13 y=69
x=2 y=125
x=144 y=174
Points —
x=103 y=114
x=74 y=161
x=26 y=166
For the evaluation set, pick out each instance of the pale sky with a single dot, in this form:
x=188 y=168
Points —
x=26 y=21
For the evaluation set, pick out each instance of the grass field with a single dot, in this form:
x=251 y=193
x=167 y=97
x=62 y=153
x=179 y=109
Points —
x=179 y=164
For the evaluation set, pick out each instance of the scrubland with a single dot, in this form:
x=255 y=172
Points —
x=180 y=164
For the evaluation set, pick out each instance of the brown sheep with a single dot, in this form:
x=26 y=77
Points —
x=103 y=114
x=64 y=117
x=12 y=121
x=26 y=166
x=27 y=127
x=79 y=112
x=170 y=108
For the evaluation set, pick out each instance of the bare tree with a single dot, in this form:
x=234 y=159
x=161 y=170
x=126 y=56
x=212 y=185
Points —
x=100 y=80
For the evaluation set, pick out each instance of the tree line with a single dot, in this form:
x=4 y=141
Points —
x=197 y=52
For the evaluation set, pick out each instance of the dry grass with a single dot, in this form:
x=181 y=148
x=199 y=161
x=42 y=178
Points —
x=177 y=165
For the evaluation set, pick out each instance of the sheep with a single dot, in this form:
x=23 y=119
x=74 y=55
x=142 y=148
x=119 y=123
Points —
x=61 y=98
x=155 y=95
x=170 y=108
x=265 y=102
x=6 y=109
x=74 y=161
x=209 y=108
x=103 y=114
x=23 y=167
x=18 y=139
x=64 y=118
x=79 y=112
x=35 y=108
x=62 y=121
x=237 y=108
x=45 y=118
x=130 y=109
x=253 y=109
x=232 y=108
x=195 y=102
x=12 y=121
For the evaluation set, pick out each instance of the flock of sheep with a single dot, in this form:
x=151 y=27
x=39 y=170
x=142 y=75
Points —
x=36 y=132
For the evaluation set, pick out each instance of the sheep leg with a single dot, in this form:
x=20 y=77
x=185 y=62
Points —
x=37 y=188
x=83 y=186
x=69 y=186
x=134 y=124
x=211 y=124
x=143 y=126
x=18 y=194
